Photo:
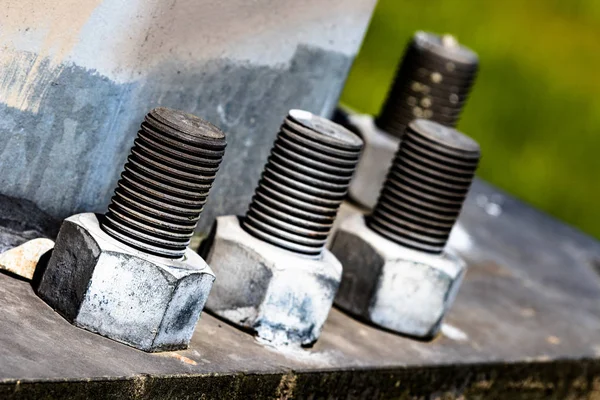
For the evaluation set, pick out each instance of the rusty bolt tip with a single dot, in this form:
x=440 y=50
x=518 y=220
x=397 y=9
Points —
x=303 y=183
x=186 y=127
x=426 y=186
x=433 y=66
x=165 y=182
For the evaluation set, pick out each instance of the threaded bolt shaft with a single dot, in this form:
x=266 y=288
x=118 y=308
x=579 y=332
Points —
x=161 y=193
x=433 y=82
x=303 y=183
x=425 y=187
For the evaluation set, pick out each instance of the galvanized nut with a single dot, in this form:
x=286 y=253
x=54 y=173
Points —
x=396 y=273
x=128 y=275
x=275 y=275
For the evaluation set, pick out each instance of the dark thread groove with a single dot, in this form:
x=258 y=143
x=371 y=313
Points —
x=165 y=183
x=422 y=197
x=303 y=183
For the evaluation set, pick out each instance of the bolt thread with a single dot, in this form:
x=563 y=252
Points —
x=303 y=183
x=433 y=82
x=165 y=183
x=425 y=187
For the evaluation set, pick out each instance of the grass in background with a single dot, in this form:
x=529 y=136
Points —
x=535 y=107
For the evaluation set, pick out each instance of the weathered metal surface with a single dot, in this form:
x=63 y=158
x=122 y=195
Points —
x=525 y=325
x=102 y=285
x=69 y=116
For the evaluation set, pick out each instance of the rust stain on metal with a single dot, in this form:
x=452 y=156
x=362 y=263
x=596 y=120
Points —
x=183 y=359
x=487 y=268
x=553 y=340
x=286 y=387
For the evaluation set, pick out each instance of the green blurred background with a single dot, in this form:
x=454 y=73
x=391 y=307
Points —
x=535 y=107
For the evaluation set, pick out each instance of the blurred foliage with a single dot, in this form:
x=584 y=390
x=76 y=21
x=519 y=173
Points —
x=535 y=107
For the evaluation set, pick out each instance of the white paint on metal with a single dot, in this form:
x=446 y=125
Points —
x=452 y=332
x=36 y=37
x=145 y=301
x=460 y=240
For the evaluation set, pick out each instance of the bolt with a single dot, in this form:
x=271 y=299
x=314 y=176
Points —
x=166 y=181
x=128 y=275
x=303 y=183
x=396 y=273
x=425 y=187
x=434 y=66
x=275 y=276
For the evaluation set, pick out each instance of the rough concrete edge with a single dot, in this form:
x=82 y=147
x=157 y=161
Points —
x=519 y=380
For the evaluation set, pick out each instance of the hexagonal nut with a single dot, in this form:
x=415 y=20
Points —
x=397 y=288
x=376 y=159
x=284 y=297
x=104 y=286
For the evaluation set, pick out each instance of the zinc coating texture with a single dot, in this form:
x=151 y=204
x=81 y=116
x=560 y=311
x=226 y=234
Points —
x=426 y=186
x=433 y=82
x=282 y=296
x=165 y=185
x=303 y=183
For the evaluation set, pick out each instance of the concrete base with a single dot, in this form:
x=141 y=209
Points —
x=99 y=284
